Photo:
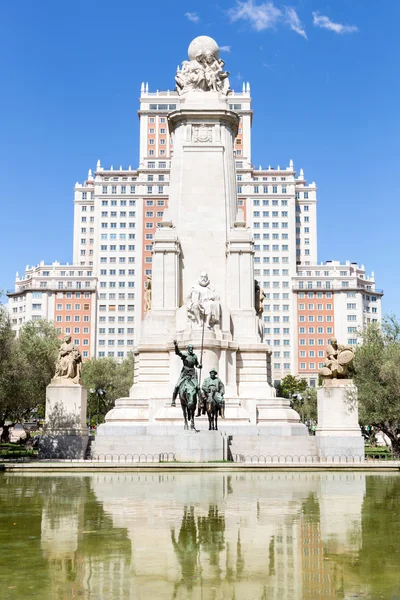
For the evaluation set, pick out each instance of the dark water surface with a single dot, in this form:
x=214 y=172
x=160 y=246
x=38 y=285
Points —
x=211 y=536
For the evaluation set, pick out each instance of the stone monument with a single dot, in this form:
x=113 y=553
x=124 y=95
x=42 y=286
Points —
x=65 y=432
x=203 y=291
x=338 y=432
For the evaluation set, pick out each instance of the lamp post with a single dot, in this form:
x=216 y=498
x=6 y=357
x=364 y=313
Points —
x=100 y=394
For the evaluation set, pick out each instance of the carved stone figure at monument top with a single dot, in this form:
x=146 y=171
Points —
x=338 y=360
x=69 y=362
x=203 y=303
x=204 y=71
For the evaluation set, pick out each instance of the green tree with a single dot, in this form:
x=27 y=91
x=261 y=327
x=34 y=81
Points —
x=303 y=399
x=106 y=380
x=291 y=385
x=26 y=367
x=377 y=377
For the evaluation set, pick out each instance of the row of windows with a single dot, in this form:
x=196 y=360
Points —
x=69 y=306
x=113 y=296
x=122 y=225
x=161 y=152
x=277 y=331
x=276 y=319
x=121 y=203
x=113 y=259
x=274 y=247
x=286 y=366
x=119 y=343
x=275 y=272
x=311 y=354
x=120 y=319
x=312 y=330
x=275 y=225
x=320 y=318
x=266 y=213
x=311 y=366
x=319 y=306
x=113 y=284
x=120 y=272
x=121 y=236
x=311 y=295
x=121 y=248
x=68 y=319
x=132 y=189
x=122 y=214
x=119 y=331
x=277 y=342
x=277 y=354
x=277 y=295
x=113 y=307
x=69 y=284
x=76 y=330
x=311 y=341
x=111 y=354
x=267 y=202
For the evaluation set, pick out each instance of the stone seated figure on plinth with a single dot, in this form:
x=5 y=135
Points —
x=338 y=431
x=338 y=360
x=65 y=432
x=69 y=363
x=202 y=303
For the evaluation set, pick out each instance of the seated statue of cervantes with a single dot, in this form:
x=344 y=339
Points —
x=203 y=303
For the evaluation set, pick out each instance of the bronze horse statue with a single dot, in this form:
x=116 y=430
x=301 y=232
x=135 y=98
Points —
x=188 y=397
x=212 y=409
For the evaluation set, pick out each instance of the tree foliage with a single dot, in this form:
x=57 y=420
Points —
x=377 y=377
x=26 y=368
x=108 y=375
x=303 y=399
x=292 y=385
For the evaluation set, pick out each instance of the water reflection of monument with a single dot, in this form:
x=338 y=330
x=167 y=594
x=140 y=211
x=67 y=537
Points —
x=241 y=536
x=283 y=536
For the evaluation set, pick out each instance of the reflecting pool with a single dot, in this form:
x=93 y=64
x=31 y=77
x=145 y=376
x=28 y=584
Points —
x=210 y=536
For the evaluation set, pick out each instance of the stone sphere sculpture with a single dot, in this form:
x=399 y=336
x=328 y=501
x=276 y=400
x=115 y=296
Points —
x=203 y=44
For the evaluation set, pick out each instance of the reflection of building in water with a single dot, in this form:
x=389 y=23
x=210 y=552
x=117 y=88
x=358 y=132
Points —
x=319 y=580
x=85 y=553
x=285 y=563
x=208 y=536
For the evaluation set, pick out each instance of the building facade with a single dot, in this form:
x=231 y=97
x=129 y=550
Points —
x=116 y=214
x=63 y=294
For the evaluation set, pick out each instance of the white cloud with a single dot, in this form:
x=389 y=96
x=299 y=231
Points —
x=326 y=23
x=261 y=16
x=193 y=17
x=294 y=22
x=266 y=16
x=225 y=48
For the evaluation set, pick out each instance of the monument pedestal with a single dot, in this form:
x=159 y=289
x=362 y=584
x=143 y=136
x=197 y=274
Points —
x=65 y=433
x=338 y=432
x=157 y=442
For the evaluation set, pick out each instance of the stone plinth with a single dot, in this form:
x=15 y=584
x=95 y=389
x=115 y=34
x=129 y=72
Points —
x=128 y=440
x=65 y=433
x=338 y=431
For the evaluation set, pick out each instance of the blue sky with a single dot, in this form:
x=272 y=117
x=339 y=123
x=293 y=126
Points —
x=325 y=87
